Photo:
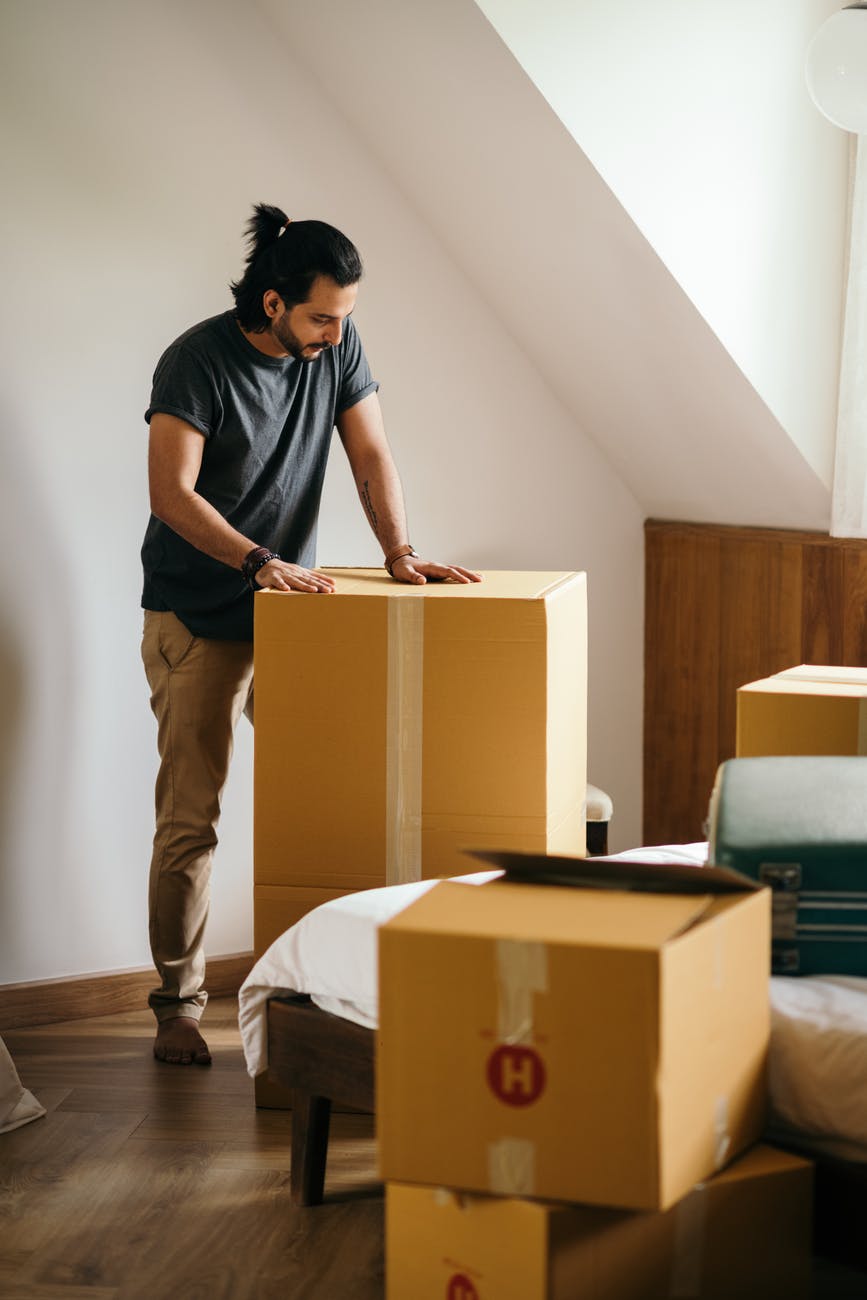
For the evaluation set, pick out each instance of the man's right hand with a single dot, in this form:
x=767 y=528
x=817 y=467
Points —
x=280 y=576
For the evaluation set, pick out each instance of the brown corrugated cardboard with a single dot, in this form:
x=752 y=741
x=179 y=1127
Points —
x=743 y=1235
x=811 y=709
x=277 y=907
x=396 y=725
x=578 y=1044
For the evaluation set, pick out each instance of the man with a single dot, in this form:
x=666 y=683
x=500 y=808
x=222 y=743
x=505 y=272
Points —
x=241 y=417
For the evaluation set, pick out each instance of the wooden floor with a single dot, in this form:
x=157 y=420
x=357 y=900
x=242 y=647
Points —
x=148 y=1180
x=151 y=1181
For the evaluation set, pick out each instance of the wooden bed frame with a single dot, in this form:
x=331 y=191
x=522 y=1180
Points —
x=323 y=1060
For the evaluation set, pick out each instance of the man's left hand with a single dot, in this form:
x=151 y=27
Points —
x=409 y=568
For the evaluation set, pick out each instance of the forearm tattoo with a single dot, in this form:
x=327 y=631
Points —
x=368 y=505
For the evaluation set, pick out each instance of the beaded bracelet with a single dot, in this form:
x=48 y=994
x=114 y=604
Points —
x=253 y=562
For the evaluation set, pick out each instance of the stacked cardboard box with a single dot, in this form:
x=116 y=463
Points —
x=397 y=725
x=743 y=1235
x=604 y=1047
x=811 y=709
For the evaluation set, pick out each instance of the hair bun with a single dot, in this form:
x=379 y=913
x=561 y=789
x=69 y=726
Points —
x=264 y=229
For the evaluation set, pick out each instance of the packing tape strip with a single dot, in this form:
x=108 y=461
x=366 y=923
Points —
x=690 y=1230
x=404 y=740
x=448 y=1198
x=522 y=972
x=512 y=1167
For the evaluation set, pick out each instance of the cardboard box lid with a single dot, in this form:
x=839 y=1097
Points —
x=587 y=918
x=761 y=1161
x=590 y=873
x=496 y=585
x=812 y=679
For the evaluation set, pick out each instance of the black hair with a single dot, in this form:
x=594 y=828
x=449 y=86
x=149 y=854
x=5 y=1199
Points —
x=288 y=256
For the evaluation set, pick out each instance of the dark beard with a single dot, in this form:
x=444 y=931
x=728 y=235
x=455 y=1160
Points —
x=293 y=345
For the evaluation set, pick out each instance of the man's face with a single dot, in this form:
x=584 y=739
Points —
x=309 y=328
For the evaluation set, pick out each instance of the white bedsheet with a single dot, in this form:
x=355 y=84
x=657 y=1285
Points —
x=818 y=1064
x=818 y=1055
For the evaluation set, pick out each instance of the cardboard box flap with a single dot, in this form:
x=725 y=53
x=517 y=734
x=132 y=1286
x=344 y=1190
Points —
x=594 y=919
x=843 y=676
x=811 y=679
x=641 y=877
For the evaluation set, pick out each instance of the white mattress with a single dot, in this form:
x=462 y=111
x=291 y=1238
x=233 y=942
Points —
x=818 y=1064
x=818 y=1056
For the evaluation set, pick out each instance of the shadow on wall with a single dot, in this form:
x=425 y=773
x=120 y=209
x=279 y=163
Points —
x=37 y=699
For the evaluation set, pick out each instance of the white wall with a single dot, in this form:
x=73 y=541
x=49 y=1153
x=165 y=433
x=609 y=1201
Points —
x=135 y=138
x=698 y=117
x=441 y=102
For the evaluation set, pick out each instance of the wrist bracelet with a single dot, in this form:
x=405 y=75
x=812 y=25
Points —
x=253 y=562
x=398 y=554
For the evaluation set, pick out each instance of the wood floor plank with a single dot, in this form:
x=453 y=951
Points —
x=52 y=1097
x=351 y=1152
x=254 y=1250
x=121 y=1062
x=51 y=1169
x=154 y=1095
x=341 y=1239
x=26 y=1291
x=147 y=1190
x=148 y=1181
x=213 y=1123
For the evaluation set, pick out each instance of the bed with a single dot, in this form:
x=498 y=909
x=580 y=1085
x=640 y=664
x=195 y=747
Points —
x=308 y=1014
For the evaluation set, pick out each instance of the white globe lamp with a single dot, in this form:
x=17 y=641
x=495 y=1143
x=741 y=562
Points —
x=837 y=69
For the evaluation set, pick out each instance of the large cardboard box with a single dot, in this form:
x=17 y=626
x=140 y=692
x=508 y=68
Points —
x=396 y=725
x=277 y=907
x=744 y=1235
x=582 y=1044
x=811 y=709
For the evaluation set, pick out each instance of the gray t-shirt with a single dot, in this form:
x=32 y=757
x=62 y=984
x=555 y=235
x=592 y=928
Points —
x=268 y=423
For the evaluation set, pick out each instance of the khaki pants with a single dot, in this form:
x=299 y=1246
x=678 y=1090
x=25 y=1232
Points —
x=199 y=688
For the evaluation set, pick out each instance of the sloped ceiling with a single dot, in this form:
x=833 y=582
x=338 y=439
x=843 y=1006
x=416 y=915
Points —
x=433 y=91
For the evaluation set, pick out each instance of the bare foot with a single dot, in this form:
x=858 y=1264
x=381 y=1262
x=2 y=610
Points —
x=179 y=1042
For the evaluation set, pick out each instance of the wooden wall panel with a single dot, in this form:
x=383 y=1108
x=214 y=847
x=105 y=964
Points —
x=760 y=589
x=822 y=628
x=682 y=639
x=725 y=606
x=855 y=605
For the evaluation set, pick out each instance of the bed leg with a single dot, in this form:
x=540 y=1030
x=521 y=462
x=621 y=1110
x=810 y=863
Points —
x=310 y=1120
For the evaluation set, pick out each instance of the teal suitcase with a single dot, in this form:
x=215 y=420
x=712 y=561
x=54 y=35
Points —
x=799 y=825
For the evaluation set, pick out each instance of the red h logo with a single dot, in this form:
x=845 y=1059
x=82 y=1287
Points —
x=516 y=1075
x=461 y=1288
